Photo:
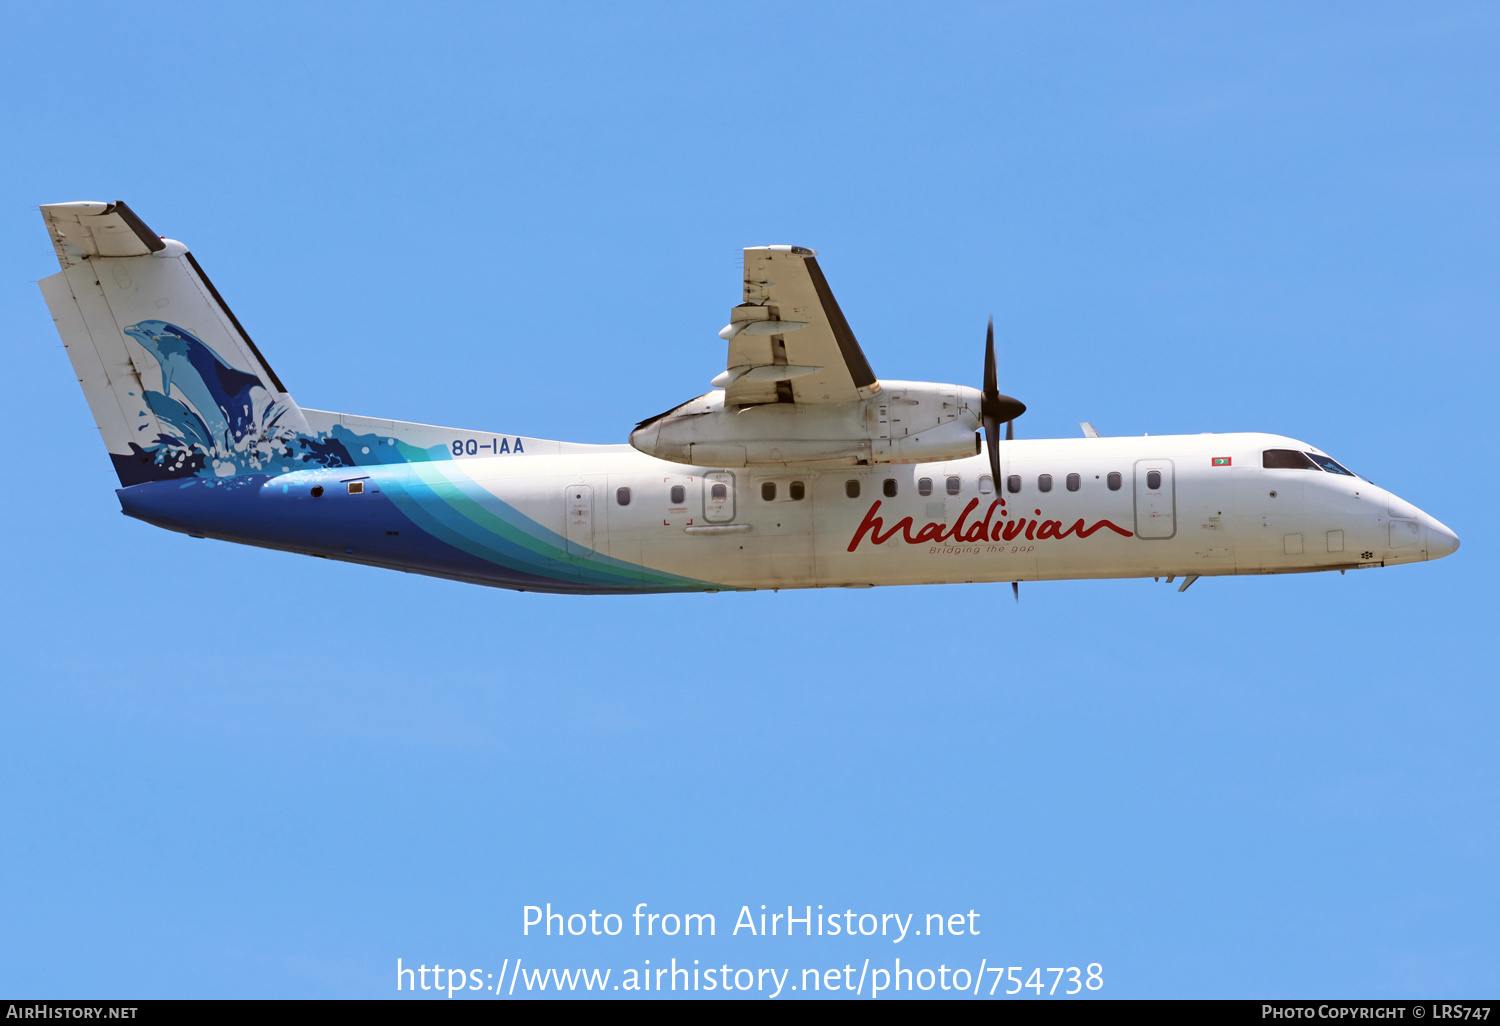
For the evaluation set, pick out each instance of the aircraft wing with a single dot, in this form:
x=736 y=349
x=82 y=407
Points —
x=789 y=341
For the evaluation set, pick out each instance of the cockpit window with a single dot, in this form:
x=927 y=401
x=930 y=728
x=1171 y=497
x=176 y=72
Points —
x=1329 y=464
x=1286 y=459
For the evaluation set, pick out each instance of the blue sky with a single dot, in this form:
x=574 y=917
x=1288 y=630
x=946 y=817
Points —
x=229 y=772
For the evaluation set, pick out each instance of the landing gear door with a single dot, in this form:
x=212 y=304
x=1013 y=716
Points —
x=718 y=497
x=1155 y=499
x=579 y=518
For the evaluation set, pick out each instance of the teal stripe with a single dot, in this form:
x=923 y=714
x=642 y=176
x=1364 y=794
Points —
x=448 y=504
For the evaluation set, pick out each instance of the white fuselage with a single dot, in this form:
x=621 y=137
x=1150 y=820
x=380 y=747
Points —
x=1183 y=505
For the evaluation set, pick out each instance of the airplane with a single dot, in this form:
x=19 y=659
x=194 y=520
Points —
x=799 y=468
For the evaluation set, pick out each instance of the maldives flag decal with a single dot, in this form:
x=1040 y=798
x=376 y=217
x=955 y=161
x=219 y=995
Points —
x=1223 y=461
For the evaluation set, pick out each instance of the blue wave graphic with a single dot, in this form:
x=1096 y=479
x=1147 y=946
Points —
x=224 y=434
x=224 y=421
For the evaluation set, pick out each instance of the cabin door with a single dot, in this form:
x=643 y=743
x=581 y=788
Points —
x=1155 y=499
x=718 y=497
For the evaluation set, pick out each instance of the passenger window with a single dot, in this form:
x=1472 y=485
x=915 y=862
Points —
x=986 y=485
x=1328 y=464
x=1153 y=480
x=768 y=491
x=622 y=496
x=678 y=495
x=955 y=485
x=798 y=491
x=924 y=486
x=889 y=488
x=1013 y=483
x=1073 y=482
x=1113 y=480
x=356 y=487
x=719 y=492
x=1286 y=459
x=851 y=489
x=1044 y=483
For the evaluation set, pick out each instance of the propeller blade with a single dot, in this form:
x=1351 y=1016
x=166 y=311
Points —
x=992 y=443
x=991 y=378
x=991 y=388
x=1010 y=431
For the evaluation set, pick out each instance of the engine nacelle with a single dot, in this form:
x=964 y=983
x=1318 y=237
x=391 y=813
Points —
x=907 y=422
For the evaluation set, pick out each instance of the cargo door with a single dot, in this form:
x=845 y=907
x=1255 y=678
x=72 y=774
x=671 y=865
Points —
x=579 y=518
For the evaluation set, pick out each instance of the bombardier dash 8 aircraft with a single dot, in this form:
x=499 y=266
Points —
x=799 y=469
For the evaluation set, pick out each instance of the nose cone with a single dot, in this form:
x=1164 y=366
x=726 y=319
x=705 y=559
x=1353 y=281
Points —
x=1441 y=541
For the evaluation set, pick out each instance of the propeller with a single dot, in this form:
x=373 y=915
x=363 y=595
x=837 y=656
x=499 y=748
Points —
x=996 y=409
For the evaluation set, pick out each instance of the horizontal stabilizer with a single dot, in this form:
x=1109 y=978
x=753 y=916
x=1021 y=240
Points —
x=94 y=229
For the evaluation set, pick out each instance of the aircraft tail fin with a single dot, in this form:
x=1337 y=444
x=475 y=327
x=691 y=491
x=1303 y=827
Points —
x=175 y=383
x=177 y=387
